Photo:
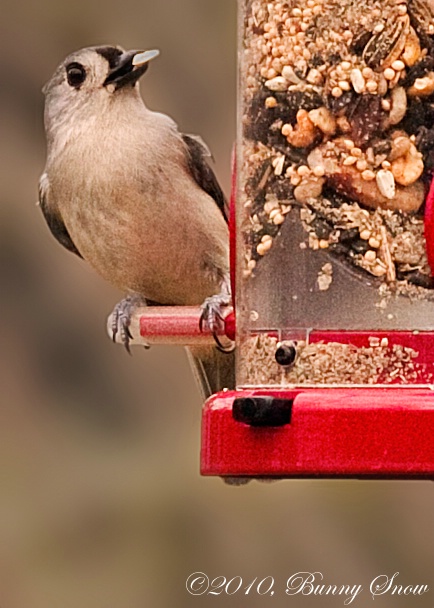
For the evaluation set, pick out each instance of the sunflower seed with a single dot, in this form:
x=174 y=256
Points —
x=386 y=46
x=386 y=183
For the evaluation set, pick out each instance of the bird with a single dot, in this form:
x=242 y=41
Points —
x=126 y=191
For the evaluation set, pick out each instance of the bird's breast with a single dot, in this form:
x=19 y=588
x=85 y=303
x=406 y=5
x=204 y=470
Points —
x=151 y=232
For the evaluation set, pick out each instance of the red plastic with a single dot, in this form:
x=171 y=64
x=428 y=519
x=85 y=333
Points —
x=173 y=325
x=374 y=433
x=429 y=226
x=232 y=223
x=178 y=325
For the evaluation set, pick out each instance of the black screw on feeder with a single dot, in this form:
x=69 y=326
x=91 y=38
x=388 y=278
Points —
x=262 y=410
x=285 y=354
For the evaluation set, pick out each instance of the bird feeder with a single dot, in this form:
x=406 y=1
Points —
x=334 y=288
x=333 y=250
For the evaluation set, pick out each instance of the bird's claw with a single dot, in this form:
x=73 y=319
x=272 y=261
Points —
x=213 y=318
x=121 y=320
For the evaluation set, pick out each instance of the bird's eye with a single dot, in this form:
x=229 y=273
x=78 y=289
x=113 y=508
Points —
x=76 y=74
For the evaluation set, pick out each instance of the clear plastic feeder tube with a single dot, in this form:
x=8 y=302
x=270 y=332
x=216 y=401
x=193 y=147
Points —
x=335 y=160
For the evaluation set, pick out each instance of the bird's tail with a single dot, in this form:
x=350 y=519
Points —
x=213 y=370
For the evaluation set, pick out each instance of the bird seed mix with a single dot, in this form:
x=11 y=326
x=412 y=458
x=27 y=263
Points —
x=331 y=363
x=338 y=124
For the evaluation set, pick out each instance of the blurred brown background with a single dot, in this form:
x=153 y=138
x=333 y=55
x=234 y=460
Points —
x=101 y=502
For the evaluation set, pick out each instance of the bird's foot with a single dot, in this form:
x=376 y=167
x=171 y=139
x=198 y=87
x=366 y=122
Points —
x=121 y=319
x=214 y=311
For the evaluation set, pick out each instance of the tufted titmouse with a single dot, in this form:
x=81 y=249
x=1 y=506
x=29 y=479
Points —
x=123 y=189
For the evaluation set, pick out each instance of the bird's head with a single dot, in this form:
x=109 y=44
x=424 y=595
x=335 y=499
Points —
x=95 y=74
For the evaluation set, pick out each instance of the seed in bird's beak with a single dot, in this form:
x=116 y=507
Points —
x=145 y=57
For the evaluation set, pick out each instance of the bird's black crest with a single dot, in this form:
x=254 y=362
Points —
x=111 y=53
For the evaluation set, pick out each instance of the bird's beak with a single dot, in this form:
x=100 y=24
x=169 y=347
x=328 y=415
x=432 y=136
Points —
x=129 y=67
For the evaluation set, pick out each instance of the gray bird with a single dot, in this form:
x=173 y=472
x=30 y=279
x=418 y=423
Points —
x=125 y=190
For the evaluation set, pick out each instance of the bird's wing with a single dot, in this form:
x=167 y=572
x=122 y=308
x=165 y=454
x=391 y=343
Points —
x=53 y=219
x=198 y=153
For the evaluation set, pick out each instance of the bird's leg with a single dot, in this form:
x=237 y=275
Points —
x=121 y=318
x=213 y=315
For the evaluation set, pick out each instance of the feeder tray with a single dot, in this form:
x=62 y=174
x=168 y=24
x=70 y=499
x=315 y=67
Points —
x=314 y=433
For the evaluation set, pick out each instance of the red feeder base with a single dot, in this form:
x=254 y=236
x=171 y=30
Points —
x=353 y=433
